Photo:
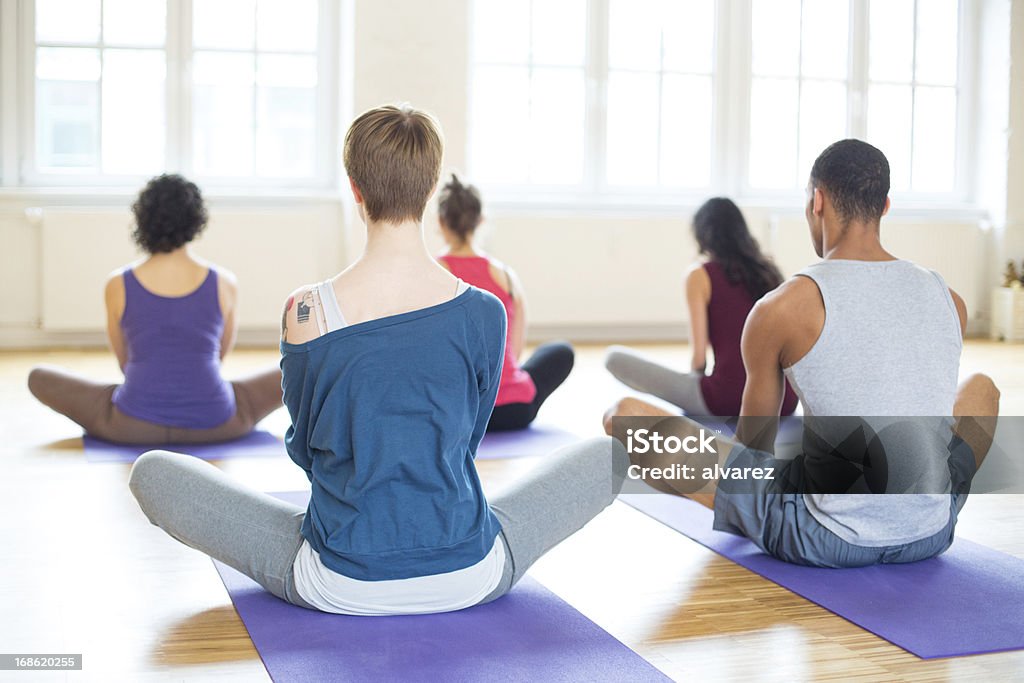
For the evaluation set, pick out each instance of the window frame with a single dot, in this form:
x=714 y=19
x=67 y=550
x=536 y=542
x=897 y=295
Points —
x=732 y=80
x=594 y=192
x=178 y=51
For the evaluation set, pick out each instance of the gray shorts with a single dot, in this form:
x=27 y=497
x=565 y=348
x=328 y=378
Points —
x=780 y=524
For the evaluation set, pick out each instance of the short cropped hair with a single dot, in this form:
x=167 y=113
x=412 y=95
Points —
x=169 y=213
x=856 y=177
x=393 y=155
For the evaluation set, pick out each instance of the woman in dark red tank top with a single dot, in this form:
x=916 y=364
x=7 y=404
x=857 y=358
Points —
x=720 y=292
x=524 y=387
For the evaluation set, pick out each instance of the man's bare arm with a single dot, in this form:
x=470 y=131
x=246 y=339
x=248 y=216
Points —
x=761 y=346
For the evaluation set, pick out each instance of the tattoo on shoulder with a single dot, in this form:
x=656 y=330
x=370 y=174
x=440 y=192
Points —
x=284 y=318
x=302 y=312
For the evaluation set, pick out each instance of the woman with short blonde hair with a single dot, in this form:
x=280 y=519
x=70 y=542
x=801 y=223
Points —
x=391 y=369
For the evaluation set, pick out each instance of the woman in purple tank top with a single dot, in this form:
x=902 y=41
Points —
x=171 y=319
x=720 y=292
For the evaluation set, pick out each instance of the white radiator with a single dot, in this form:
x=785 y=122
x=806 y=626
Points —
x=271 y=251
x=958 y=251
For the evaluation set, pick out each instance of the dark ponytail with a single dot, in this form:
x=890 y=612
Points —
x=460 y=208
x=722 y=234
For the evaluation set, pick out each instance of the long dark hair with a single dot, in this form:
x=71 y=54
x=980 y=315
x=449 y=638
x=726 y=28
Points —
x=722 y=234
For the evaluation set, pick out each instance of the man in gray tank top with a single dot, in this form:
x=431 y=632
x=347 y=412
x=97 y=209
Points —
x=860 y=333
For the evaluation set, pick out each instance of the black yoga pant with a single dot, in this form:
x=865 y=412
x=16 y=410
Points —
x=549 y=365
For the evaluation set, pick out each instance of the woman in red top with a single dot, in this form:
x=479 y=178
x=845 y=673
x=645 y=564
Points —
x=720 y=292
x=523 y=387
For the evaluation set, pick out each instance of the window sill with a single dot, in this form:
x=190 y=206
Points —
x=122 y=196
x=685 y=205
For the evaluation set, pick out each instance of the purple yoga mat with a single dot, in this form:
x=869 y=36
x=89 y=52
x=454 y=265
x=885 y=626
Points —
x=529 y=635
x=257 y=444
x=969 y=600
x=537 y=439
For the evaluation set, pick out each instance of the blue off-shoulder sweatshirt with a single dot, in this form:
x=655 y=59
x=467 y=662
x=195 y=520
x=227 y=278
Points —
x=386 y=419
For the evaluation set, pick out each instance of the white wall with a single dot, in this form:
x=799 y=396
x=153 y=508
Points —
x=1014 y=239
x=611 y=275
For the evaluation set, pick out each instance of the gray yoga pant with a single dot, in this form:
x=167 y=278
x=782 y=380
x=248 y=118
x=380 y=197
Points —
x=91 y=405
x=681 y=389
x=259 y=535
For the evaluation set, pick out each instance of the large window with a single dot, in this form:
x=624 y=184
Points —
x=912 y=93
x=579 y=95
x=634 y=99
x=660 y=66
x=100 y=86
x=219 y=89
x=255 y=79
x=798 y=87
x=528 y=87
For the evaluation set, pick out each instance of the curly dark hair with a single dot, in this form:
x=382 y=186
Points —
x=169 y=213
x=460 y=208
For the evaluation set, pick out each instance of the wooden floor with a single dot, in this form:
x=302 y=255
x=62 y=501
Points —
x=82 y=570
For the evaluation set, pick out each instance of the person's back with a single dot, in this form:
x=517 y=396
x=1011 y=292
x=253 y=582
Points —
x=890 y=346
x=720 y=293
x=524 y=386
x=727 y=312
x=171 y=319
x=172 y=374
x=891 y=340
x=516 y=384
x=397 y=493
x=871 y=343
x=390 y=370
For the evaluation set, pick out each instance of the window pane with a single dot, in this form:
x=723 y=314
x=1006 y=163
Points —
x=937 y=42
x=286 y=115
x=825 y=37
x=773 y=133
x=689 y=37
x=134 y=22
x=775 y=30
x=686 y=131
x=288 y=25
x=133 y=111
x=67 y=107
x=634 y=34
x=501 y=32
x=891 y=48
x=559 y=32
x=67 y=21
x=229 y=24
x=499 y=145
x=286 y=71
x=68 y=64
x=822 y=122
x=934 y=139
x=223 y=113
x=632 y=128
x=889 y=129
x=556 y=133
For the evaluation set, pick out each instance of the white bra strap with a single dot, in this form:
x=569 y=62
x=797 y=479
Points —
x=332 y=312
